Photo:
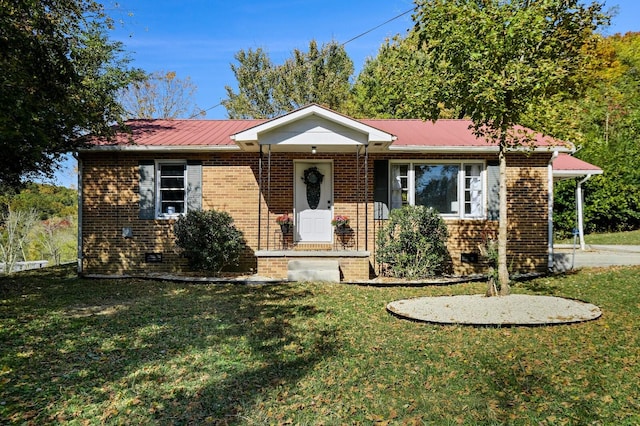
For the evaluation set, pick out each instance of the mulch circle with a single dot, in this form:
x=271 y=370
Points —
x=479 y=310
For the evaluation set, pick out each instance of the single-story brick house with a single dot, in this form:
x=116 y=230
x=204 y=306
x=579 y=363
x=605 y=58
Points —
x=313 y=164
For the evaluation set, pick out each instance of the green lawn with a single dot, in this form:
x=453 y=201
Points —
x=149 y=352
x=629 y=238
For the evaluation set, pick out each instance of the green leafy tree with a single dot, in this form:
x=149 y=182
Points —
x=605 y=123
x=161 y=95
x=265 y=90
x=48 y=200
x=493 y=59
x=610 y=128
x=320 y=76
x=59 y=80
x=396 y=83
x=257 y=78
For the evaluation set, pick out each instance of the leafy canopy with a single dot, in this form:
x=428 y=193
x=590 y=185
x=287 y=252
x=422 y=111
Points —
x=493 y=59
x=59 y=80
x=396 y=83
x=605 y=123
x=265 y=90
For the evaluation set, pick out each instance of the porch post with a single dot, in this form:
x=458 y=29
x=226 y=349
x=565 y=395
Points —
x=268 y=195
x=579 y=201
x=358 y=198
x=259 y=197
x=366 y=197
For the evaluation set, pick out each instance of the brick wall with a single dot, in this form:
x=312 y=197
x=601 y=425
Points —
x=352 y=269
x=231 y=183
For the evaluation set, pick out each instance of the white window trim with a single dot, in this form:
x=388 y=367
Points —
x=158 y=197
x=460 y=184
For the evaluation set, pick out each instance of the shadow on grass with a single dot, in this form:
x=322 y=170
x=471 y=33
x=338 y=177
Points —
x=549 y=285
x=144 y=351
x=517 y=384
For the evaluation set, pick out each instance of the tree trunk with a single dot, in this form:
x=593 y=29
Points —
x=503 y=272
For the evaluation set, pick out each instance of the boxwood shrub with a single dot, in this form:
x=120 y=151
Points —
x=412 y=243
x=209 y=240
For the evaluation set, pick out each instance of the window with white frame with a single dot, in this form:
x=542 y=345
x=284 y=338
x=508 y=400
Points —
x=455 y=189
x=171 y=189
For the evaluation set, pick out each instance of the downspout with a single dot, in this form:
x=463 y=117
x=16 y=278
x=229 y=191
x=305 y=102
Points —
x=579 y=211
x=550 y=210
x=80 y=201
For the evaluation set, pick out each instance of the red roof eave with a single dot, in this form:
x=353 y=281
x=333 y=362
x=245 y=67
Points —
x=567 y=166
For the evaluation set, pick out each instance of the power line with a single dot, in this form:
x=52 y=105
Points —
x=376 y=27
x=348 y=41
x=203 y=111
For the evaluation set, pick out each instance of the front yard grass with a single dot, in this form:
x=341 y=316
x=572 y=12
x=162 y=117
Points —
x=626 y=238
x=150 y=352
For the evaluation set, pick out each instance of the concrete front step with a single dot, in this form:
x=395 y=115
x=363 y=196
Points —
x=314 y=270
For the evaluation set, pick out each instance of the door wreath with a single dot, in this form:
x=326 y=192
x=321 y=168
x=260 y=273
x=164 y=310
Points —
x=312 y=179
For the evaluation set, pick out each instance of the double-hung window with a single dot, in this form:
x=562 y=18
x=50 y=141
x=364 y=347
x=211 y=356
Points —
x=454 y=189
x=172 y=189
x=169 y=188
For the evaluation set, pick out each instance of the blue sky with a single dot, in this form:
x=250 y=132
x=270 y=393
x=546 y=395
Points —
x=198 y=38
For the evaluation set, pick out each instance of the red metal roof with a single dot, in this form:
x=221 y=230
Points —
x=417 y=133
x=565 y=164
x=443 y=133
x=180 y=132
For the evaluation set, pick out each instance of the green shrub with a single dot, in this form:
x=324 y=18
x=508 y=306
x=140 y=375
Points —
x=412 y=244
x=209 y=240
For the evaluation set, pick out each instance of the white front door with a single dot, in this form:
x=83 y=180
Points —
x=313 y=201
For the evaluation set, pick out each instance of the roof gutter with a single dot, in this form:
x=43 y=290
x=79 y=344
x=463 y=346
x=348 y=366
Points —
x=571 y=174
x=468 y=149
x=162 y=148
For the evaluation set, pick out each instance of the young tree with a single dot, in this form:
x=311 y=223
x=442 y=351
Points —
x=161 y=95
x=266 y=90
x=493 y=59
x=15 y=231
x=59 y=80
x=57 y=236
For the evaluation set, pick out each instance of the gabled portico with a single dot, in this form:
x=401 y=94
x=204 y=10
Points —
x=312 y=126
x=312 y=139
